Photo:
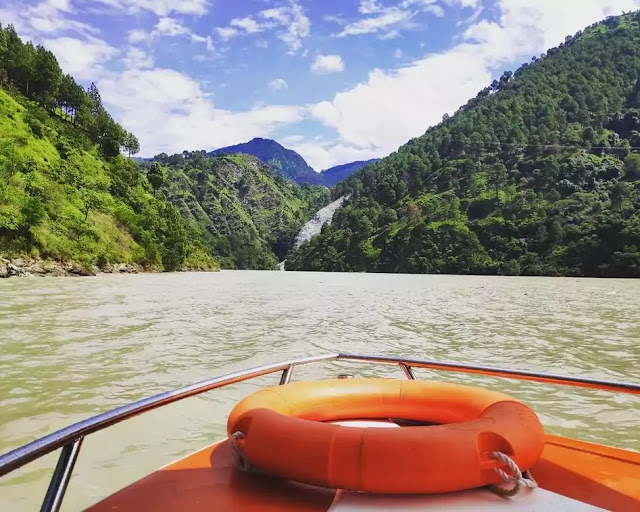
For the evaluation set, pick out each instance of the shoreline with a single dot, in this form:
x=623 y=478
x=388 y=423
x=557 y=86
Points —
x=25 y=268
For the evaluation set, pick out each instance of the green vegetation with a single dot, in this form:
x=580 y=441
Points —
x=537 y=175
x=68 y=194
x=60 y=199
x=246 y=213
x=34 y=73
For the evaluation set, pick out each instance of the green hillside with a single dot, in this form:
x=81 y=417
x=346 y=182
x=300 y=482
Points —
x=68 y=195
x=247 y=213
x=537 y=175
x=61 y=200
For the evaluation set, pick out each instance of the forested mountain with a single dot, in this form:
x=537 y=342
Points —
x=290 y=164
x=67 y=194
x=537 y=175
x=284 y=161
x=338 y=173
x=61 y=199
x=247 y=214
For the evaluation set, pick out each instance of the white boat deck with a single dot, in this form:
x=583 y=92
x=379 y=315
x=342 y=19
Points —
x=477 y=500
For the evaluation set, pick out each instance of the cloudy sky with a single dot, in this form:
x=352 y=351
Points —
x=336 y=80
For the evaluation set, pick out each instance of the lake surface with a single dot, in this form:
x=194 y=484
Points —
x=72 y=348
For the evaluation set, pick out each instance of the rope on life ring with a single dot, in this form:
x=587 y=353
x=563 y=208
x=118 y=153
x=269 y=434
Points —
x=245 y=465
x=519 y=479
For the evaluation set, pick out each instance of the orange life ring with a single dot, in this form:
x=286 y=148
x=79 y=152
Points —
x=284 y=434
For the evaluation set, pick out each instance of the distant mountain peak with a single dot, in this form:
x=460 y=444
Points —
x=290 y=164
x=284 y=161
x=341 y=172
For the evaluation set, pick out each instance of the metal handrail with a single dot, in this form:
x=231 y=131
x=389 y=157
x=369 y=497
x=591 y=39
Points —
x=36 y=449
x=70 y=438
x=490 y=371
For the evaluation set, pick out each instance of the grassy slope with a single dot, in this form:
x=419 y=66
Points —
x=62 y=233
x=51 y=173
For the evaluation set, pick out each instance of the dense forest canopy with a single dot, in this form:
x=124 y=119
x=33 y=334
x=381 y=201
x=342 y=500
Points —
x=247 y=213
x=34 y=72
x=68 y=193
x=537 y=175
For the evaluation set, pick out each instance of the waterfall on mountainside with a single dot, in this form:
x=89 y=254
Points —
x=313 y=227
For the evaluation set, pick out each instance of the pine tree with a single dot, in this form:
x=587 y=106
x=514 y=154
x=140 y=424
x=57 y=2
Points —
x=131 y=144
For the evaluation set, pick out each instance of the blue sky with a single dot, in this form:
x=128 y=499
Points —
x=336 y=80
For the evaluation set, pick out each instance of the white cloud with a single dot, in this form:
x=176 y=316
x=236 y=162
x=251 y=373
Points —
x=179 y=115
x=325 y=64
x=390 y=107
x=390 y=20
x=290 y=24
x=248 y=24
x=322 y=154
x=137 y=36
x=160 y=7
x=84 y=59
x=390 y=17
x=60 y=5
x=436 y=9
x=279 y=14
x=227 y=33
x=165 y=27
x=289 y=140
x=209 y=44
x=391 y=34
x=278 y=84
x=171 y=28
x=464 y=3
x=397 y=53
x=332 y=18
x=474 y=16
x=136 y=58
x=45 y=18
x=369 y=7
x=299 y=27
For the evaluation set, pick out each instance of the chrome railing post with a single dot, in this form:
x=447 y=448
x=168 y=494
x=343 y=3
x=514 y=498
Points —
x=286 y=375
x=61 y=477
x=408 y=371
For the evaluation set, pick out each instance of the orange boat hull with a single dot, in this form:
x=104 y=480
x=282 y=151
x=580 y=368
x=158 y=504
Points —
x=208 y=480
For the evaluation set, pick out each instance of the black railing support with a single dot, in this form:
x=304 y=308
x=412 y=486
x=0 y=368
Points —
x=408 y=371
x=286 y=375
x=61 y=477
